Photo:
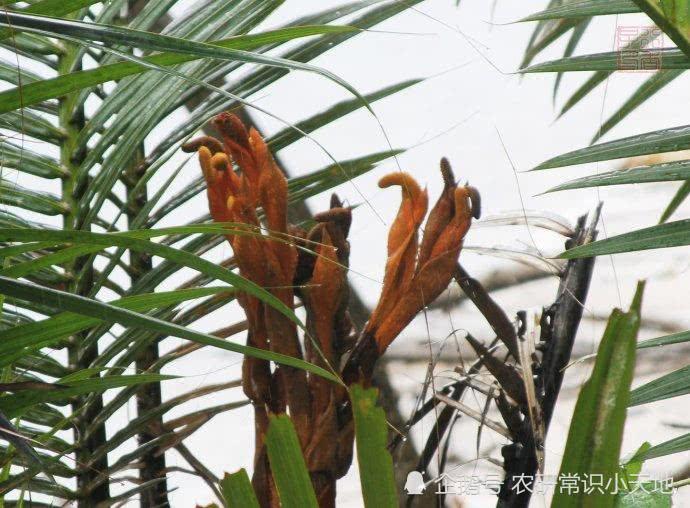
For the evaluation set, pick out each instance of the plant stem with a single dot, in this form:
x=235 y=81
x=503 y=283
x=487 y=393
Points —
x=149 y=396
x=92 y=489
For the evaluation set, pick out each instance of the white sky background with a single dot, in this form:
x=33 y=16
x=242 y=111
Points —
x=457 y=113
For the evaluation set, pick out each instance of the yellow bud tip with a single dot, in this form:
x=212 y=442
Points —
x=220 y=162
x=230 y=203
x=205 y=160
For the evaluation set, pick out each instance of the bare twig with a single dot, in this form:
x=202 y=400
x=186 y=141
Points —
x=476 y=415
x=201 y=470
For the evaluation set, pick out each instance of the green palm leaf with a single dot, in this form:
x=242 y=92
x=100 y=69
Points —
x=109 y=313
x=39 y=91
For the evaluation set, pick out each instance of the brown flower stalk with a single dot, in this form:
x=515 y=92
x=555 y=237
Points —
x=316 y=272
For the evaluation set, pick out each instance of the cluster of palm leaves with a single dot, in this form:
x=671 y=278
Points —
x=570 y=19
x=86 y=85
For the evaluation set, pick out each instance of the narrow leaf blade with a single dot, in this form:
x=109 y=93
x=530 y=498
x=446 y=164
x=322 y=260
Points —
x=237 y=490
x=288 y=466
x=596 y=431
x=375 y=462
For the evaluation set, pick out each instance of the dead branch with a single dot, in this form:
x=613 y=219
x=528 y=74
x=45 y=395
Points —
x=559 y=327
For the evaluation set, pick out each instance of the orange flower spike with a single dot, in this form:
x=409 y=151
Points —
x=440 y=215
x=452 y=236
x=205 y=163
x=272 y=195
x=217 y=195
x=324 y=288
x=402 y=243
x=434 y=273
x=247 y=246
x=412 y=208
x=338 y=221
x=254 y=253
x=273 y=187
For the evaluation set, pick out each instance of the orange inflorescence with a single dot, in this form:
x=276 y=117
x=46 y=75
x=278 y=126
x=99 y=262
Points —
x=317 y=274
x=267 y=260
x=235 y=198
x=416 y=274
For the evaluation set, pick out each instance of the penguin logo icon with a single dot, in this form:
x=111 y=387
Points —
x=414 y=485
